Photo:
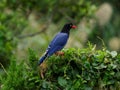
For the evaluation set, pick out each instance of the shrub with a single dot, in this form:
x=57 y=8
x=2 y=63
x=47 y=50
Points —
x=83 y=69
x=22 y=76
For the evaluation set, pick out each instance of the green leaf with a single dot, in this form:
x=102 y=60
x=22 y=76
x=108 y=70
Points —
x=113 y=54
x=62 y=81
x=45 y=84
x=101 y=66
x=77 y=84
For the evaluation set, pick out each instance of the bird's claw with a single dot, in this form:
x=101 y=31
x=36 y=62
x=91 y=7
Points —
x=59 y=53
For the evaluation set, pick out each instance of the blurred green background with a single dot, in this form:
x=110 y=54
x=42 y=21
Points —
x=33 y=23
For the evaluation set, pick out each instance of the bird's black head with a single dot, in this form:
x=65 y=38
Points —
x=67 y=27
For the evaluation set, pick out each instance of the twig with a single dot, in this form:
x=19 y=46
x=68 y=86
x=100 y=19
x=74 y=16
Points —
x=102 y=41
x=36 y=33
x=3 y=68
x=33 y=34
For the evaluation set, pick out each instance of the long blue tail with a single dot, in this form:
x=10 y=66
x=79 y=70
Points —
x=42 y=59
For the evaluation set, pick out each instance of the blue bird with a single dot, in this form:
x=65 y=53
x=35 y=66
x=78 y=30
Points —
x=58 y=42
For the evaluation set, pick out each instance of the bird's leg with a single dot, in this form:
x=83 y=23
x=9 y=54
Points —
x=43 y=68
x=42 y=74
x=59 y=53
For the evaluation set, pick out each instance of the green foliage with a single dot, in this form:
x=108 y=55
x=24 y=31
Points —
x=78 y=69
x=84 y=69
x=10 y=27
x=14 y=18
x=22 y=76
x=74 y=9
x=106 y=32
x=6 y=45
x=33 y=60
x=15 y=77
x=32 y=75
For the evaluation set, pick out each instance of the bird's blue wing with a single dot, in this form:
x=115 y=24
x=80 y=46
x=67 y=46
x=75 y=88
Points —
x=57 y=43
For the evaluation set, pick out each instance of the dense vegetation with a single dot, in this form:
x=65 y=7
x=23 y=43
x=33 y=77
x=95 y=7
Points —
x=32 y=23
x=83 y=69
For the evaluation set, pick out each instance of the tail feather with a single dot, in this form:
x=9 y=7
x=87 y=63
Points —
x=42 y=59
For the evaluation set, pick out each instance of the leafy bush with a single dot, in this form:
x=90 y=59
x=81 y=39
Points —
x=78 y=69
x=84 y=69
x=15 y=76
x=22 y=76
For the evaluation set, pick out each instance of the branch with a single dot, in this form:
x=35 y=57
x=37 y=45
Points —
x=36 y=33
x=33 y=34
x=3 y=68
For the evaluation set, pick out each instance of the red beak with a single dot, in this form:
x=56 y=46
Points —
x=73 y=26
